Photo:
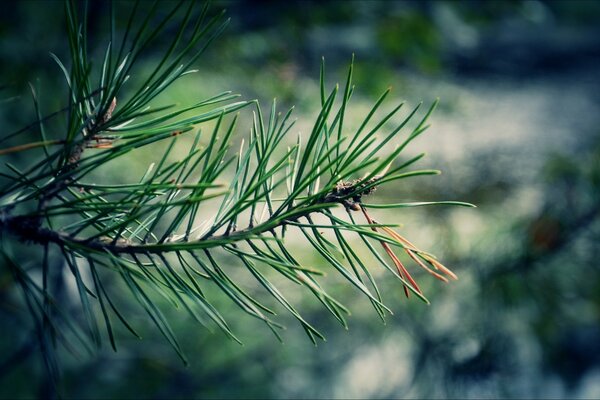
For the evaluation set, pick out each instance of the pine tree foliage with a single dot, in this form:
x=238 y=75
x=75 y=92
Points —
x=161 y=234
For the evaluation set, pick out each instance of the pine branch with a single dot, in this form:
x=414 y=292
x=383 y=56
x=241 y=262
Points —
x=156 y=233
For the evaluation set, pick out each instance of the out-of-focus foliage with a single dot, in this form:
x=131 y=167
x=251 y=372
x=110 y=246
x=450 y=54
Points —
x=517 y=134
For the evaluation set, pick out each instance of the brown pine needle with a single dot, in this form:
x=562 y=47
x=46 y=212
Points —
x=436 y=264
x=399 y=266
x=425 y=267
x=28 y=146
x=401 y=269
x=441 y=267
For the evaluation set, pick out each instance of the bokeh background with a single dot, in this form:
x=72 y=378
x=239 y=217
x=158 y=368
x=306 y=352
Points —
x=517 y=132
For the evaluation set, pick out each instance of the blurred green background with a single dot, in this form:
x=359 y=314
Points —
x=517 y=132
